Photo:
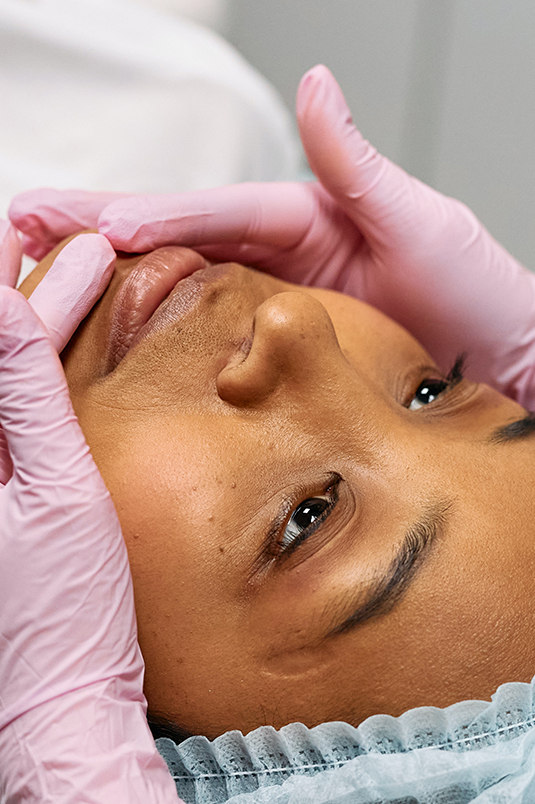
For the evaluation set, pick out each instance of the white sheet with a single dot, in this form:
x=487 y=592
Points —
x=113 y=95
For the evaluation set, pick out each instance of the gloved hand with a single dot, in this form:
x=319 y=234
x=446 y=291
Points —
x=72 y=711
x=367 y=228
x=74 y=283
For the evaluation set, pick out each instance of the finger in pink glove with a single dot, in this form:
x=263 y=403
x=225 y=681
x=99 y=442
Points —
x=432 y=266
x=75 y=282
x=10 y=254
x=45 y=220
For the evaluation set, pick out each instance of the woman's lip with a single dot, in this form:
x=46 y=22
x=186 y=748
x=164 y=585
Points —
x=186 y=294
x=142 y=293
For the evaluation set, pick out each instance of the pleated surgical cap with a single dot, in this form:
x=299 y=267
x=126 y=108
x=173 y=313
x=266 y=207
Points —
x=473 y=751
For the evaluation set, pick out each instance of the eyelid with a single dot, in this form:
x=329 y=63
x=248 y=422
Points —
x=269 y=552
x=428 y=372
x=285 y=552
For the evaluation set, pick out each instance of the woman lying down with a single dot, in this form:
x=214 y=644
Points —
x=321 y=523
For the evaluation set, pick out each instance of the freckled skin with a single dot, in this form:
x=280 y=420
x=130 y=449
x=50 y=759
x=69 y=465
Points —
x=207 y=429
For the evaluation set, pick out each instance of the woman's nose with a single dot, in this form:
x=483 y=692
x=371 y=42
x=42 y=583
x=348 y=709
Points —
x=294 y=347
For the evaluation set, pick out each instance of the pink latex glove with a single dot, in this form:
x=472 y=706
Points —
x=72 y=711
x=366 y=228
x=73 y=284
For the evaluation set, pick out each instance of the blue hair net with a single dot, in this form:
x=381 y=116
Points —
x=473 y=751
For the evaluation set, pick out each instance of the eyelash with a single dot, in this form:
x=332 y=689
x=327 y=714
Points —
x=452 y=379
x=273 y=548
x=331 y=491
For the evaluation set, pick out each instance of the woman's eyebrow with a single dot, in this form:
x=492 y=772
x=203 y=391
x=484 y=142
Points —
x=408 y=560
x=515 y=430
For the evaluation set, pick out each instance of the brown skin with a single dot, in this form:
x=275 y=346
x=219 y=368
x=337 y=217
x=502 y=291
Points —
x=252 y=401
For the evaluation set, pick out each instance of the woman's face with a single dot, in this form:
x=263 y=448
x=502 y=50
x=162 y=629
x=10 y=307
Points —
x=320 y=524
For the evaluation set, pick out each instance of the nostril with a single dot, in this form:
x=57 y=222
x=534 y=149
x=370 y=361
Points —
x=246 y=345
x=239 y=351
x=249 y=377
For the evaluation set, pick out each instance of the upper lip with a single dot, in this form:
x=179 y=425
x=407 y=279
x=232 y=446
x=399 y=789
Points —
x=143 y=292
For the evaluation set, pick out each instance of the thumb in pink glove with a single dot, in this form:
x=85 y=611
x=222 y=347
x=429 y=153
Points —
x=72 y=711
x=425 y=259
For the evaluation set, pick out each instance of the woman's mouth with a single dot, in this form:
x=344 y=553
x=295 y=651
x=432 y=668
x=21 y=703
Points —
x=142 y=293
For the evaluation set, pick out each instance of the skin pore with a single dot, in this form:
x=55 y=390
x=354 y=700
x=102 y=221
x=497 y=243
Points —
x=321 y=524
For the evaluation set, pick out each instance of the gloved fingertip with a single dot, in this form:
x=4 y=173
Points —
x=308 y=85
x=76 y=280
x=91 y=244
x=113 y=224
x=36 y=249
x=85 y=265
x=18 y=207
x=9 y=238
x=47 y=216
x=16 y=319
x=22 y=210
x=312 y=79
x=346 y=164
x=319 y=88
x=105 y=224
x=10 y=253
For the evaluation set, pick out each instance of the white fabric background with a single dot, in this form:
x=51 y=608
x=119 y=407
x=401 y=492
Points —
x=213 y=13
x=118 y=95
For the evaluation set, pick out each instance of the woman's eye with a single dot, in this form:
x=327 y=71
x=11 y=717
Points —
x=427 y=392
x=306 y=518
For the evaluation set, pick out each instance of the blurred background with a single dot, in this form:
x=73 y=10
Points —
x=443 y=87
